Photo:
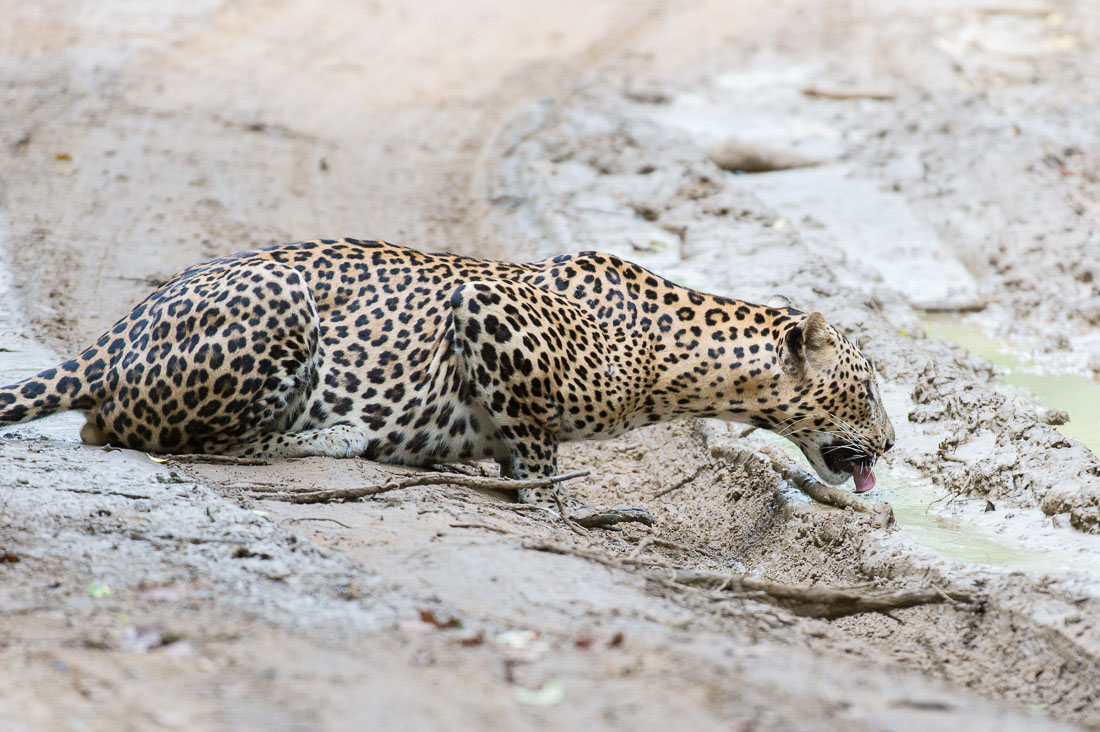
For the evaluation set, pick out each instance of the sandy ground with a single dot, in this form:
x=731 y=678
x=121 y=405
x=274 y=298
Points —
x=138 y=140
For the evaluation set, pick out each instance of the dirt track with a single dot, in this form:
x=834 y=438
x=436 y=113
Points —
x=139 y=141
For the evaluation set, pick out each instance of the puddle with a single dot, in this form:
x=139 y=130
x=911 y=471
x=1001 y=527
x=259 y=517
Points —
x=915 y=499
x=1077 y=395
x=962 y=531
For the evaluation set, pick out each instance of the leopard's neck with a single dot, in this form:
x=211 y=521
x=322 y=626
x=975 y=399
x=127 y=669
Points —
x=716 y=357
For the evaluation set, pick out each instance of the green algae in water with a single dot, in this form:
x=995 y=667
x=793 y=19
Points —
x=1077 y=395
x=914 y=503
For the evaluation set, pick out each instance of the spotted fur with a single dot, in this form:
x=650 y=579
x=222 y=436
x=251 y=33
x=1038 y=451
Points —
x=362 y=348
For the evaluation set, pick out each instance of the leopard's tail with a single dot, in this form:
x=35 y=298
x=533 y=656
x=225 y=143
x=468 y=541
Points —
x=75 y=384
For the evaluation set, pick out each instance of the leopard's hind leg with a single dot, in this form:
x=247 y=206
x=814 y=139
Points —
x=211 y=361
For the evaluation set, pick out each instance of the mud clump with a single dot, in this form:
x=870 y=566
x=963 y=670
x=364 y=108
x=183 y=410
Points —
x=740 y=156
x=994 y=446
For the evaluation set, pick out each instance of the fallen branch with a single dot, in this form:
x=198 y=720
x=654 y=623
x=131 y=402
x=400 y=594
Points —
x=213 y=459
x=806 y=600
x=969 y=306
x=312 y=518
x=681 y=483
x=824 y=602
x=408 y=481
x=649 y=541
x=488 y=527
x=1038 y=10
x=96 y=492
x=846 y=93
x=881 y=513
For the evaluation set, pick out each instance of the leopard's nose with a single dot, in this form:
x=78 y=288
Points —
x=888 y=445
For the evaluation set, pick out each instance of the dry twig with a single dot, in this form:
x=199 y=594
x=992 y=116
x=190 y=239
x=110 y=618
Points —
x=845 y=93
x=882 y=515
x=407 y=481
x=312 y=518
x=97 y=492
x=649 y=541
x=216 y=459
x=489 y=527
x=682 y=482
x=970 y=306
x=806 y=600
x=826 y=602
x=569 y=522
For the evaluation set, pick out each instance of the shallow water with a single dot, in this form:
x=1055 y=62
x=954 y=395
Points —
x=1077 y=395
x=915 y=501
x=962 y=531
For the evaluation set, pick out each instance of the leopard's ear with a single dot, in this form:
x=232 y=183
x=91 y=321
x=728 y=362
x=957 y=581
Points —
x=778 y=302
x=810 y=343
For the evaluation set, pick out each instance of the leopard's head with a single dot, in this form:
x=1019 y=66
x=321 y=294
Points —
x=834 y=410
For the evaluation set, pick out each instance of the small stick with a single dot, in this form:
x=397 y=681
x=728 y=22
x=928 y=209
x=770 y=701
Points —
x=805 y=600
x=947 y=308
x=312 y=518
x=841 y=94
x=680 y=483
x=684 y=481
x=882 y=515
x=573 y=525
x=649 y=541
x=490 y=527
x=830 y=602
x=416 y=479
x=216 y=459
x=822 y=493
x=134 y=496
x=525 y=508
x=947 y=597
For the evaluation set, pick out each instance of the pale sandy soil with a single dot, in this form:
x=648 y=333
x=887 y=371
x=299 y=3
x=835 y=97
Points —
x=139 y=138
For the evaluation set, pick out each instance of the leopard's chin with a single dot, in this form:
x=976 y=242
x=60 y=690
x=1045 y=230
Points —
x=836 y=463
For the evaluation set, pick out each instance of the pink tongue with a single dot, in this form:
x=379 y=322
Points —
x=864 y=478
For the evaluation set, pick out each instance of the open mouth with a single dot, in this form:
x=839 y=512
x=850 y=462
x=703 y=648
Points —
x=847 y=459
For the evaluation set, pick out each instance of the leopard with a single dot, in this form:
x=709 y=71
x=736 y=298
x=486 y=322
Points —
x=362 y=348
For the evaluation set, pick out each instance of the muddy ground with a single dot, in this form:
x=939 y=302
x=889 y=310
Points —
x=954 y=166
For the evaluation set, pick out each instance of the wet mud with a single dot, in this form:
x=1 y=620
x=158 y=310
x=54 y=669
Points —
x=904 y=159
